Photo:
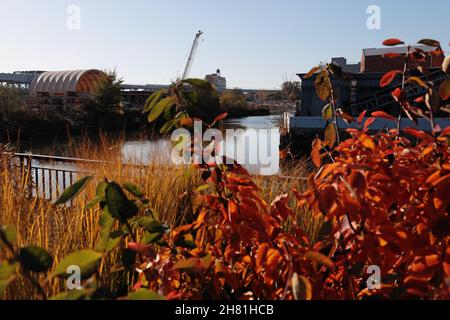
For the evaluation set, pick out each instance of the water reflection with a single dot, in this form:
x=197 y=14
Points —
x=257 y=150
x=255 y=145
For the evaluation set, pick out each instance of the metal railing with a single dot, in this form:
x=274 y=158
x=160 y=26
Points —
x=48 y=176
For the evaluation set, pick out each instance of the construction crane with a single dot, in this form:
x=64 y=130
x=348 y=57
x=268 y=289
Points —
x=190 y=61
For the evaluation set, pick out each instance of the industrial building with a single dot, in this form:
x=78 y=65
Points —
x=360 y=89
x=216 y=79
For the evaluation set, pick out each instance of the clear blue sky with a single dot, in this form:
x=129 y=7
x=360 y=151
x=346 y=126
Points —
x=256 y=43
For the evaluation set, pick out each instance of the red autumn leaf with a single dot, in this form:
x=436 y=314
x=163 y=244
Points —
x=436 y=52
x=445 y=132
x=383 y=115
x=273 y=259
x=392 y=55
x=320 y=259
x=315 y=154
x=347 y=118
x=327 y=199
x=389 y=77
x=141 y=249
x=419 y=100
x=399 y=95
x=392 y=42
x=261 y=254
x=191 y=266
x=358 y=181
x=444 y=90
x=221 y=117
x=368 y=123
x=418 y=134
x=361 y=117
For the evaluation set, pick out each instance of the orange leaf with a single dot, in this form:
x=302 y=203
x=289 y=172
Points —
x=361 y=117
x=261 y=254
x=327 y=199
x=389 y=77
x=368 y=123
x=320 y=259
x=312 y=72
x=315 y=154
x=444 y=90
x=391 y=55
x=418 y=134
x=221 y=117
x=383 y=115
x=330 y=136
x=192 y=266
x=367 y=142
x=392 y=42
x=399 y=95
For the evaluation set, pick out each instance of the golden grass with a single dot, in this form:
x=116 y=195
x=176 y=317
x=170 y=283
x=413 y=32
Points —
x=65 y=230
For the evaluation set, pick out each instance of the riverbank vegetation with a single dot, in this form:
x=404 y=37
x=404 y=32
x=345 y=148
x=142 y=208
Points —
x=64 y=230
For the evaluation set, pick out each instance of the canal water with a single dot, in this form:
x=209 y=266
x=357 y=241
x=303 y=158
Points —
x=254 y=143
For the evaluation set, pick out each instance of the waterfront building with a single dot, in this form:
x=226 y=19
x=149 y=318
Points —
x=360 y=90
x=216 y=79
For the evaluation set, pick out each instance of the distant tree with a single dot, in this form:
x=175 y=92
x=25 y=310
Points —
x=107 y=95
x=182 y=102
x=291 y=90
x=9 y=101
x=233 y=100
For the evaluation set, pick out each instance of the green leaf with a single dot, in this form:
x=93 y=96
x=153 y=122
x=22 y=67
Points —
x=153 y=100
x=133 y=189
x=322 y=84
x=168 y=126
x=198 y=83
x=93 y=203
x=118 y=204
x=327 y=112
x=8 y=234
x=144 y=294
x=106 y=225
x=301 y=288
x=160 y=107
x=128 y=258
x=35 y=259
x=149 y=238
x=86 y=260
x=151 y=225
x=100 y=195
x=7 y=274
x=73 y=191
x=202 y=188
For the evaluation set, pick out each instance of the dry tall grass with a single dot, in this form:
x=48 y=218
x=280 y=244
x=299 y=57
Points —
x=65 y=230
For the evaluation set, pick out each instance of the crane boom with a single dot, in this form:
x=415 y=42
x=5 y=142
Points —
x=191 y=58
